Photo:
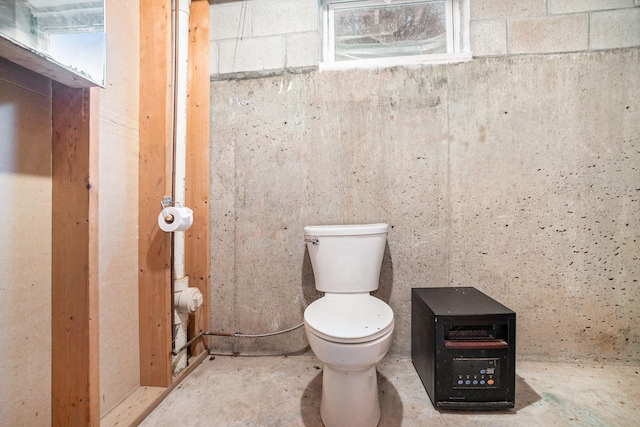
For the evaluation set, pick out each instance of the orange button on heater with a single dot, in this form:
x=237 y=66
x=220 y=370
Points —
x=490 y=382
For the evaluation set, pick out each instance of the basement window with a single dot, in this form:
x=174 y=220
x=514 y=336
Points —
x=357 y=33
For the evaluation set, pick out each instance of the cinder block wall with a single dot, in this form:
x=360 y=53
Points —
x=552 y=26
x=516 y=174
x=269 y=37
x=264 y=37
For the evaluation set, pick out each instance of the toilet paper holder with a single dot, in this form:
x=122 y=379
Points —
x=165 y=202
x=174 y=216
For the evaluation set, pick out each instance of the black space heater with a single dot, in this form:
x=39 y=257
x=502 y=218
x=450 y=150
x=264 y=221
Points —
x=463 y=346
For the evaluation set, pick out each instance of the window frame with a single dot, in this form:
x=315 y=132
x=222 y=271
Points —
x=457 y=23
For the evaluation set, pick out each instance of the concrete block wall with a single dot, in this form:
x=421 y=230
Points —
x=526 y=189
x=552 y=26
x=263 y=37
x=268 y=37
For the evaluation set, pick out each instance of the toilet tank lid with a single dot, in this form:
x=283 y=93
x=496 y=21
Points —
x=345 y=230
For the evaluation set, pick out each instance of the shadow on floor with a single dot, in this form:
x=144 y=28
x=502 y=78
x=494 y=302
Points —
x=525 y=395
x=391 y=410
x=390 y=404
x=310 y=402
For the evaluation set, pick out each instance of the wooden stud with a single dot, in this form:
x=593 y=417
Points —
x=75 y=391
x=154 y=182
x=154 y=256
x=197 y=179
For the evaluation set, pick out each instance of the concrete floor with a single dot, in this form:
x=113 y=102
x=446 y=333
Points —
x=285 y=391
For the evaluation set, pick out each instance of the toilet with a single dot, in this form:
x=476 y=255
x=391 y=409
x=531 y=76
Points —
x=348 y=329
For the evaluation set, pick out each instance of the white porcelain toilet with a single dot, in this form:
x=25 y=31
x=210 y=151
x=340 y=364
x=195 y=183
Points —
x=348 y=329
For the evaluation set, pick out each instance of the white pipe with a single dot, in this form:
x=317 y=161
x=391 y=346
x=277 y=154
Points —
x=181 y=67
x=181 y=321
x=180 y=171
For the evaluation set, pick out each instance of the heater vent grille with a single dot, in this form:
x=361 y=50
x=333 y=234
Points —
x=471 y=332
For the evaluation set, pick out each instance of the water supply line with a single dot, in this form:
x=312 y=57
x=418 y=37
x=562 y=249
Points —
x=236 y=335
x=185 y=298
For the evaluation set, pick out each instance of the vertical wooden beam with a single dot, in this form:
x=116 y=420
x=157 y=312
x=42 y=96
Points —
x=75 y=391
x=197 y=179
x=154 y=255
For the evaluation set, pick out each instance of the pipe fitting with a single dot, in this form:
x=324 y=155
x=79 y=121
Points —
x=187 y=300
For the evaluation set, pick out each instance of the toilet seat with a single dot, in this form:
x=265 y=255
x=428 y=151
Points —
x=349 y=318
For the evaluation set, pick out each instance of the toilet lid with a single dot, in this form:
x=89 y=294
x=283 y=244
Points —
x=348 y=318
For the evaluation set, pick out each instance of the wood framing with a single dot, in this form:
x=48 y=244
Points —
x=154 y=256
x=75 y=391
x=197 y=179
x=155 y=182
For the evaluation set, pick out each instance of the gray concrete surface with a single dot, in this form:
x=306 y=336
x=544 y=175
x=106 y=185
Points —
x=285 y=392
x=518 y=176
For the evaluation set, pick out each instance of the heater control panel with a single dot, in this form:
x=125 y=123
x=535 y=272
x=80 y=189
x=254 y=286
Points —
x=475 y=373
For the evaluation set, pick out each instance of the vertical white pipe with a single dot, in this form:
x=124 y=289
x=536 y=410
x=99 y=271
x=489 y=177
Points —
x=181 y=68
x=182 y=63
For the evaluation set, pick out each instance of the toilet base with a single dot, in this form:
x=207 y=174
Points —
x=349 y=398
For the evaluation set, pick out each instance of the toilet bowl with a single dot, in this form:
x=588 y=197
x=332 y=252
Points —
x=348 y=329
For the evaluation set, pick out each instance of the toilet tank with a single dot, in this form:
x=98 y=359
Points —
x=346 y=258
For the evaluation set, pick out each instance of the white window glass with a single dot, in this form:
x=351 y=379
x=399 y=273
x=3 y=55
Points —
x=390 y=30
x=369 y=30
